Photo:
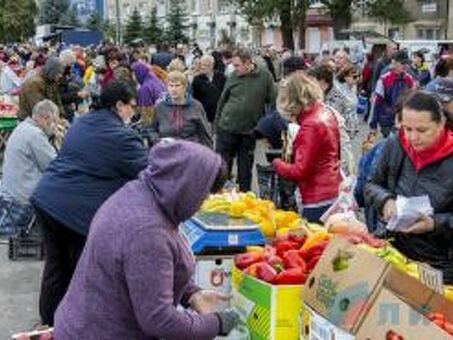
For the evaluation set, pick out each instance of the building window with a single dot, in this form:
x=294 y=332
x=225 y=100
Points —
x=429 y=33
x=224 y=6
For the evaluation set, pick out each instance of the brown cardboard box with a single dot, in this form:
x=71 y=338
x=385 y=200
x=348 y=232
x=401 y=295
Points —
x=371 y=297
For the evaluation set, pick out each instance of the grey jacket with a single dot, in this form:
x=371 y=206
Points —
x=187 y=121
x=27 y=155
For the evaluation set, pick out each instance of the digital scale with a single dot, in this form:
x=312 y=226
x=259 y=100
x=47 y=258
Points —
x=218 y=233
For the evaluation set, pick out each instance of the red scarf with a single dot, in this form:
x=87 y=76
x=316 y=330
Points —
x=440 y=149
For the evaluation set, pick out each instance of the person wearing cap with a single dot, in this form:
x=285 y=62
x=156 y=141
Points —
x=43 y=85
x=390 y=86
x=293 y=64
x=443 y=90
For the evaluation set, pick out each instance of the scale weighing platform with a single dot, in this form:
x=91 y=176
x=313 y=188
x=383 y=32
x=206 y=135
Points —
x=218 y=233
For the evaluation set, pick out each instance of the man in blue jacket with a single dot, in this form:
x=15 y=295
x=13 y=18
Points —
x=99 y=155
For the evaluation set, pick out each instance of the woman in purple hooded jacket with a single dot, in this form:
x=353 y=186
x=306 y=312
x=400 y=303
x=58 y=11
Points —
x=150 y=90
x=136 y=268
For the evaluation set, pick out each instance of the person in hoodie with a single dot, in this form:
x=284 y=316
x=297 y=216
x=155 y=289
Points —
x=129 y=281
x=151 y=89
x=99 y=155
x=418 y=162
x=179 y=115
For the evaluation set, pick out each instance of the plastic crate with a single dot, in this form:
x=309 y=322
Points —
x=26 y=247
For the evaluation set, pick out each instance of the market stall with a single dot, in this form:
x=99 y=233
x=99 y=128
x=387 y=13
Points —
x=330 y=282
x=8 y=121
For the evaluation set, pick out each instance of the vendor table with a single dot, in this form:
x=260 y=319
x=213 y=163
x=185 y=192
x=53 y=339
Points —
x=7 y=125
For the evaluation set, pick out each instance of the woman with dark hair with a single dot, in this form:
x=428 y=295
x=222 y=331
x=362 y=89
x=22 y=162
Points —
x=419 y=69
x=419 y=162
x=136 y=269
x=98 y=156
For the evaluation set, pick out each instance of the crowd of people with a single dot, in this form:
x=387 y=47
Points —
x=116 y=146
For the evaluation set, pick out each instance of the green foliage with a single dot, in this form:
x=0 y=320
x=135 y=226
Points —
x=109 y=30
x=17 y=20
x=385 y=11
x=177 y=24
x=153 y=32
x=134 y=27
x=341 y=13
x=70 y=18
x=94 y=22
x=51 y=11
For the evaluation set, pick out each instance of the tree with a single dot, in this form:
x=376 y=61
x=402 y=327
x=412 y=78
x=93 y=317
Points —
x=176 y=19
x=341 y=13
x=17 y=20
x=51 y=11
x=134 y=27
x=153 y=32
x=290 y=13
x=70 y=18
x=94 y=22
x=389 y=11
x=109 y=30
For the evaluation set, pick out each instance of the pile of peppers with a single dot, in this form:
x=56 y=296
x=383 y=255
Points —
x=288 y=261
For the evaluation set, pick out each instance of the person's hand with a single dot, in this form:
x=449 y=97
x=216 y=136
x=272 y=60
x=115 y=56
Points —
x=207 y=301
x=422 y=226
x=389 y=210
x=228 y=319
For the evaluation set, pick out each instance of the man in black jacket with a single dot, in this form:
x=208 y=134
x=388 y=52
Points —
x=208 y=86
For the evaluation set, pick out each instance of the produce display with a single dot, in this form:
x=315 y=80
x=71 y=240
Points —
x=247 y=205
x=8 y=110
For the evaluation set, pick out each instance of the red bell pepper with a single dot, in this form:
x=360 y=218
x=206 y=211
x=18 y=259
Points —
x=448 y=326
x=266 y=272
x=292 y=259
x=298 y=238
x=314 y=251
x=313 y=262
x=242 y=261
x=284 y=246
x=276 y=262
x=391 y=335
x=293 y=276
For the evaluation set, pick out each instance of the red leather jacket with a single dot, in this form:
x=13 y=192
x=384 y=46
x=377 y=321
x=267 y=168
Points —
x=316 y=159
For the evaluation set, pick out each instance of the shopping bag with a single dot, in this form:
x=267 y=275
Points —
x=345 y=202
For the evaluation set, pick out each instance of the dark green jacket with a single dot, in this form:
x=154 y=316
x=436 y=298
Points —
x=243 y=101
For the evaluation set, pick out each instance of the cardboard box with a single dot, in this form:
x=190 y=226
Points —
x=270 y=312
x=342 y=296
x=369 y=297
x=214 y=272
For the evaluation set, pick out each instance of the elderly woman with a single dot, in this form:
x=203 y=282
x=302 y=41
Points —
x=419 y=162
x=348 y=79
x=179 y=115
x=130 y=280
x=98 y=156
x=316 y=159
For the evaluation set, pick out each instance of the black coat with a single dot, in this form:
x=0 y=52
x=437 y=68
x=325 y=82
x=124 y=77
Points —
x=396 y=175
x=208 y=92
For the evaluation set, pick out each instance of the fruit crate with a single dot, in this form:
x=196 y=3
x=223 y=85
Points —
x=26 y=247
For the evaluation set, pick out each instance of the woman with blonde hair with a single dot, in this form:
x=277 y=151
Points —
x=180 y=116
x=315 y=165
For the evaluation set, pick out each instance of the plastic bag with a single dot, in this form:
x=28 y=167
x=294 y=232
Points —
x=345 y=201
x=408 y=211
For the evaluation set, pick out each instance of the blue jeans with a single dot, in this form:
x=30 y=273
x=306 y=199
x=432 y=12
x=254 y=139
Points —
x=14 y=217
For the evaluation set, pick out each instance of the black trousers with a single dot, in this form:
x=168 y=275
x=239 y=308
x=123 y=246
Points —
x=231 y=145
x=63 y=248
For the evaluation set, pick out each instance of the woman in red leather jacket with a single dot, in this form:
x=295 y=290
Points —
x=315 y=163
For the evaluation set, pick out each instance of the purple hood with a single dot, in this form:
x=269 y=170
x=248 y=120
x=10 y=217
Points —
x=180 y=184
x=141 y=71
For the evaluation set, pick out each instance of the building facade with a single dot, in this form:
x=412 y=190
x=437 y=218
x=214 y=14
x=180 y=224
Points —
x=429 y=20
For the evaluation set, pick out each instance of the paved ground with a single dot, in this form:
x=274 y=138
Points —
x=19 y=283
